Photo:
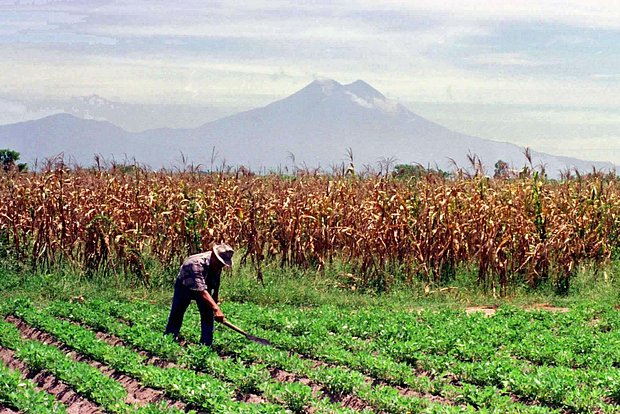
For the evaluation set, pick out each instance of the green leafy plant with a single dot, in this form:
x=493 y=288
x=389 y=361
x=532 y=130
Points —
x=21 y=394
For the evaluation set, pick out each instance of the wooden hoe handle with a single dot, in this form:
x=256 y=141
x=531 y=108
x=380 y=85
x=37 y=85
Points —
x=234 y=328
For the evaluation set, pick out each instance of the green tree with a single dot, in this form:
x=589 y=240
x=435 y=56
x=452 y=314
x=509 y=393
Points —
x=417 y=171
x=502 y=169
x=8 y=160
x=409 y=171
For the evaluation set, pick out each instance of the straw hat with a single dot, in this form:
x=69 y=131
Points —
x=224 y=253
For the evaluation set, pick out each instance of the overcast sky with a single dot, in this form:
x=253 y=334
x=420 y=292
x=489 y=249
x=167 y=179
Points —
x=540 y=73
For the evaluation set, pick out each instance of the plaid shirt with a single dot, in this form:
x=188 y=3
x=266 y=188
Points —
x=195 y=274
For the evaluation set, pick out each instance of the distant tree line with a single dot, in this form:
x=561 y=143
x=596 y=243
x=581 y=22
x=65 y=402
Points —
x=416 y=171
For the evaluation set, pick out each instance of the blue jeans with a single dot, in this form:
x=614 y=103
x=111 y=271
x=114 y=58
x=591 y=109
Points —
x=180 y=301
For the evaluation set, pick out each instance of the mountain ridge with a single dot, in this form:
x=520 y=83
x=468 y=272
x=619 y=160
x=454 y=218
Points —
x=317 y=124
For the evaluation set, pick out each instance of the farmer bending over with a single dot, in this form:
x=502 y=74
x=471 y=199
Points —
x=199 y=280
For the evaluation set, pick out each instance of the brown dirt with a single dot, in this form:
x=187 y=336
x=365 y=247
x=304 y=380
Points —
x=6 y=410
x=76 y=404
x=136 y=392
x=487 y=310
x=408 y=392
x=546 y=307
x=282 y=376
x=490 y=310
x=251 y=398
x=350 y=401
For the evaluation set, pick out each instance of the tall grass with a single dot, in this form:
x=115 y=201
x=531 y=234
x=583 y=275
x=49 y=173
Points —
x=521 y=230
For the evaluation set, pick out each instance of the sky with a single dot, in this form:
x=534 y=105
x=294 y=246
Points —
x=544 y=74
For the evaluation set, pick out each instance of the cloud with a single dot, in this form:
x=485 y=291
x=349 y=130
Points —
x=590 y=14
x=247 y=54
x=575 y=116
x=603 y=148
x=45 y=27
x=506 y=59
x=14 y=23
x=14 y=111
x=606 y=76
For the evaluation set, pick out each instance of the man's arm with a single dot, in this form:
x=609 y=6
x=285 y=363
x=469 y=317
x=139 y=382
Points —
x=216 y=289
x=217 y=312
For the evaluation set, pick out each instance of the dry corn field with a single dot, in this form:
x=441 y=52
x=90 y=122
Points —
x=524 y=229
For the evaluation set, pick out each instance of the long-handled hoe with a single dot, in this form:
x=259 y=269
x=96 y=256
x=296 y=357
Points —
x=247 y=335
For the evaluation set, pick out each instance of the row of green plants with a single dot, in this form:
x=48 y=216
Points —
x=531 y=383
x=564 y=361
x=199 y=391
x=80 y=376
x=508 y=351
x=296 y=397
x=21 y=394
x=582 y=338
x=451 y=348
x=341 y=373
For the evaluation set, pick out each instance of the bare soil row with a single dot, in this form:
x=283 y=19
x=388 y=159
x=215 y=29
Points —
x=75 y=403
x=136 y=392
x=349 y=401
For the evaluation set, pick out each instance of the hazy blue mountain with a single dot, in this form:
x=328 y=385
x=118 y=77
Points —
x=77 y=139
x=316 y=125
x=130 y=116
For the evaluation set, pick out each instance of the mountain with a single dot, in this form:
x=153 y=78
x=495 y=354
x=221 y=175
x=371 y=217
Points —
x=130 y=116
x=78 y=139
x=314 y=126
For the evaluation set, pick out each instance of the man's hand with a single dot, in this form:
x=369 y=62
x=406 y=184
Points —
x=218 y=315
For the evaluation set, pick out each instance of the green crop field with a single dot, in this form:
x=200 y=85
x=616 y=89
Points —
x=324 y=359
x=362 y=285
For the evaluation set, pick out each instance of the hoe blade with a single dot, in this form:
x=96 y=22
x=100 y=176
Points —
x=247 y=335
x=258 y=340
